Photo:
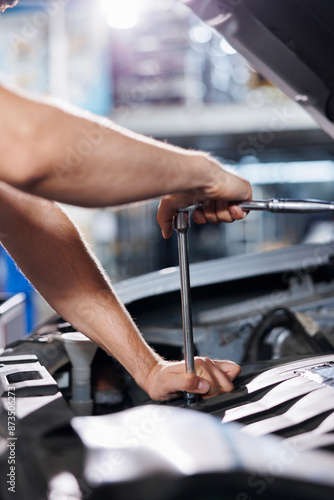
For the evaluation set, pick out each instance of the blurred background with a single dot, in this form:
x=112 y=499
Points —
x=154 y=67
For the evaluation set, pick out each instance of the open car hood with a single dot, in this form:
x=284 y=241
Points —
x=290 y=42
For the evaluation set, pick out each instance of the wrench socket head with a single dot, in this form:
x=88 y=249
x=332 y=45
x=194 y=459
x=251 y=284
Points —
x=181 y=221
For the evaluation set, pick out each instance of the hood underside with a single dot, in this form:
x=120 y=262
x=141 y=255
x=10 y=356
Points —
x=290 y=42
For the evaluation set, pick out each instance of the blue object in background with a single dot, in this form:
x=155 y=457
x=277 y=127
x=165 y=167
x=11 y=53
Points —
x=25 y=61
x=28 y=59
x=89 y=73
x=13 y=282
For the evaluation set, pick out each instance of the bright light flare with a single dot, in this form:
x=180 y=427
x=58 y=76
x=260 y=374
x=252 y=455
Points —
x=123 y=14
x=226 y=47
x=200 y=34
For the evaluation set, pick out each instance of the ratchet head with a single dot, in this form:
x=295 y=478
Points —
x=181 y=221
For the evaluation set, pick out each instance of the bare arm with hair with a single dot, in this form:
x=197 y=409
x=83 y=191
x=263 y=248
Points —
x=78 y=158
x=51 y=252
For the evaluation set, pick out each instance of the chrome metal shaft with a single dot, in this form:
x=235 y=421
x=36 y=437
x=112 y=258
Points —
x=181 y=225
x=280 y=205
x=283 y=205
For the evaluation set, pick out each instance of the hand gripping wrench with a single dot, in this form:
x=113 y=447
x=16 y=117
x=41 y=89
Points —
x=182 y=225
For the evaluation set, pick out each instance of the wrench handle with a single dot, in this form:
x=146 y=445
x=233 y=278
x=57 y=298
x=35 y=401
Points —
x=182 y=224
x=279 y=205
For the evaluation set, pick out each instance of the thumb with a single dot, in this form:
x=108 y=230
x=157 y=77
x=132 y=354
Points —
x=186 y=382
x=197 y=385
x=165 y=219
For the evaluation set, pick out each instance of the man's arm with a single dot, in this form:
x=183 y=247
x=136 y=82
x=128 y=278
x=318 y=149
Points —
x=74 y=157
x=51 y=252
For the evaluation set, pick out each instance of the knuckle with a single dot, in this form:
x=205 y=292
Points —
x=210 y=218
x=215 y=390
x=203 y=362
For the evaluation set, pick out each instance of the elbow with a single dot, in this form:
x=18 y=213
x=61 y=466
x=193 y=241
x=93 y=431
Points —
x=26 y=157
x=25 y=173
x=28 y=181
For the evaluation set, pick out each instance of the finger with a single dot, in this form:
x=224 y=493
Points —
x=204 y=368
x=222 y=379
x=231 y=369
x=165 y=218
x=219 y=381
x=223 y=212
x=176 y=383
x=197 y=385
x=212 y=378
x=205 y=385
x=198 y=217
x=209 y=212
x=237 y=212
x=201 y=383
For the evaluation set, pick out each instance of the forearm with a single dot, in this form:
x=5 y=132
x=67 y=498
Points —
x=50 y=251
x=82 y=159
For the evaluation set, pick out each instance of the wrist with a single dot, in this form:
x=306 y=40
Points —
x=145 y=363
x=145 y=379
x=203 y=171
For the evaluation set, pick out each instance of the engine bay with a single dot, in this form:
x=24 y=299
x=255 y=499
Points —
x=278 y=326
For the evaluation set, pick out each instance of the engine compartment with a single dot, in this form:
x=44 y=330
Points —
x=278 y=326
x=254 y=321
